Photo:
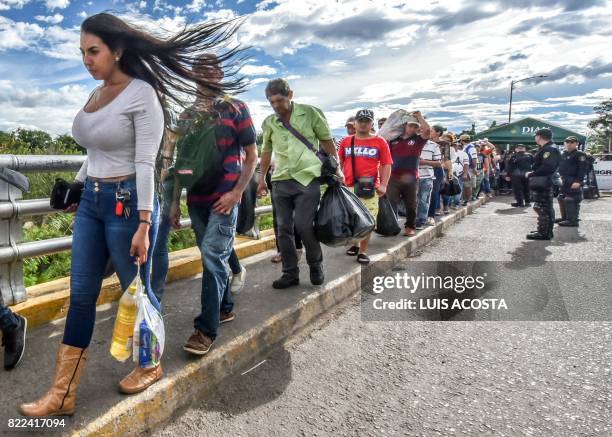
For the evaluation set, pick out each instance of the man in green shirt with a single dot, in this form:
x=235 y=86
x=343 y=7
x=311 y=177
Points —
x=296 y=189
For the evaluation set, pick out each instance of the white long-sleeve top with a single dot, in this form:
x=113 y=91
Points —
x=123 y=138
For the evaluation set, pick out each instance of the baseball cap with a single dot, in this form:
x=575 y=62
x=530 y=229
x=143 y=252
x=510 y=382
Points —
x=521 y=145
x=438 y=128
x=571 y=139
x=365 y=113
x=465 y=137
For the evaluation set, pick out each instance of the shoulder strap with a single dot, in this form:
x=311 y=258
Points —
x=353 y=158
x=298 y=135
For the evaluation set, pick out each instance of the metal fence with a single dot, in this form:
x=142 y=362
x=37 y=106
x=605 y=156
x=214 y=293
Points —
x=13 y=250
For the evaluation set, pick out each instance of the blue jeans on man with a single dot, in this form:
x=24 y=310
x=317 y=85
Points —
x=8 y=321
x=423 y=199
x=434 y=203
x=215 y=237
x=456 y=199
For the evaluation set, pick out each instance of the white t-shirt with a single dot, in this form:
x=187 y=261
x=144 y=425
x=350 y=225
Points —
x=459 y=158
x=470 y=151
x=431 y=152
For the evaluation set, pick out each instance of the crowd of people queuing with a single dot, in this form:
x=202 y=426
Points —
x=127 y=118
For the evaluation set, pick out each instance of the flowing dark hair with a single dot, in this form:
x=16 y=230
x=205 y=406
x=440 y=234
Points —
x=171 y=65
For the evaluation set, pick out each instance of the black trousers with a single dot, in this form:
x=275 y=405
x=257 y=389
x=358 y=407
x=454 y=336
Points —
x=569 y=203
x=543 y=206
x=296 y=208
x=520 y=188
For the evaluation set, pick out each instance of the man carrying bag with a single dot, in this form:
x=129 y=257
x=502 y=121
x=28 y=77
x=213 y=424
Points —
x=366 y=163
x=289 y=133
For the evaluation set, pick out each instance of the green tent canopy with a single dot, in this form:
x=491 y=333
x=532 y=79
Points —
x=507 y=136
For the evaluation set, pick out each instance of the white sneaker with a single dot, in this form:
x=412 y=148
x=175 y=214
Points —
x=431 y=221
x=238 y=281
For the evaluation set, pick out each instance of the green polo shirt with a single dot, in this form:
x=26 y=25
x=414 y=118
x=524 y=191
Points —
x=292 y=159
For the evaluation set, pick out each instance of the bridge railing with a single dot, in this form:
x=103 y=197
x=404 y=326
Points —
x=13 y=210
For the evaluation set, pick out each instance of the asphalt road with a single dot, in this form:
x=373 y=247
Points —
x=347 y=376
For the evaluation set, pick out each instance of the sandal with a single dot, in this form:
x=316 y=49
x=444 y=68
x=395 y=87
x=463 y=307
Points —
x=352 y=251
x=362 y=258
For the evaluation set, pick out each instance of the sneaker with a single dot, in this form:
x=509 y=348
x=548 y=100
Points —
x=238 y=281
x=317 y=277
x=528 y=204
x=517 y=204
x=446 y=211
x=438 y=212
x=419 y=227
x=286 y=281
x=14 y=343
x=464 y=203
x=199 y=343
x=431 y=221
x=409 y=232
x=225 y=317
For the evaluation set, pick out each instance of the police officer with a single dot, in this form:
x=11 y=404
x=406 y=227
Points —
x=519 y=164
x=545 y=164
x=573 y=168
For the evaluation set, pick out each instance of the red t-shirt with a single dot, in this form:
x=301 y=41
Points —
x=370 y=153
x=406 y=154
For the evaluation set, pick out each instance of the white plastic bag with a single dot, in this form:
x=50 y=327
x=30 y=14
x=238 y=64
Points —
x=395 y=124
x=149 y=333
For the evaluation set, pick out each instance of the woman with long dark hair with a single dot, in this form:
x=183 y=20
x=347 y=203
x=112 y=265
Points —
x=122 y=125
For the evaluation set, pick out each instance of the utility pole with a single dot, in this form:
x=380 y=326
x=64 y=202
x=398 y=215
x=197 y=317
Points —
x=512 y=83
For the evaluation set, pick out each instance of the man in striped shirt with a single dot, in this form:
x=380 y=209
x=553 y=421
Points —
x=213 y=208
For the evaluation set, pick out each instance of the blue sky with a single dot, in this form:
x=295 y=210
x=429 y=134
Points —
x=451 y=59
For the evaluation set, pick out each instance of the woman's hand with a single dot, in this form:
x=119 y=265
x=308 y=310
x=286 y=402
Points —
x=72 y=208
x=140 y=244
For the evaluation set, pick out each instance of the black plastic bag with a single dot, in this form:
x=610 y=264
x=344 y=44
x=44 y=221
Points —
x=450 y=188
x=386 y=220
x=342 y=217
x=246 y=211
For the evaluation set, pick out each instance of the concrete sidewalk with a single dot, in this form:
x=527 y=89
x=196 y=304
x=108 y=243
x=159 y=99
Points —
x=264 y=317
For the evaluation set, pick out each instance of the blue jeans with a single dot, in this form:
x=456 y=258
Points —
x=423 y=198
x=99 y=235
x=8 y=321
x=434 y=203
x=486 y=185
x=160 y=257
x=160 y=251
x=215 y=238
x=456 y=199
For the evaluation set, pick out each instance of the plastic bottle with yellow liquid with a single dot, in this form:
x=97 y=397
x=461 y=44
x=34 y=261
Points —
x=123 y=333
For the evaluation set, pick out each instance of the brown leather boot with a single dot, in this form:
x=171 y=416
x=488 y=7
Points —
x=140 y=379
x=61 y=397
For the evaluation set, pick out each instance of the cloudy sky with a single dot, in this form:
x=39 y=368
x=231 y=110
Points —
x=451 y=59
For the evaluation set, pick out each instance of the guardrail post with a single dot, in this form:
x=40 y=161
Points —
x=12 y=289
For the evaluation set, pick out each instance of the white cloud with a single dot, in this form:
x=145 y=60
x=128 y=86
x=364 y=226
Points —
x=257 y=70
x=18 y=35
x=196 y=5
x=51 y=19
x=6 y=5
x=57 y=4
x=22 y=106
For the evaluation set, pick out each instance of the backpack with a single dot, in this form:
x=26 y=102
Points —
x=198 y=159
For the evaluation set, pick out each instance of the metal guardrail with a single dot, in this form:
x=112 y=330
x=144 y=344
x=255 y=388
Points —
x=12 y=210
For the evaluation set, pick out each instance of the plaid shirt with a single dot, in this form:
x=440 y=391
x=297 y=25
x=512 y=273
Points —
x=234 y=131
